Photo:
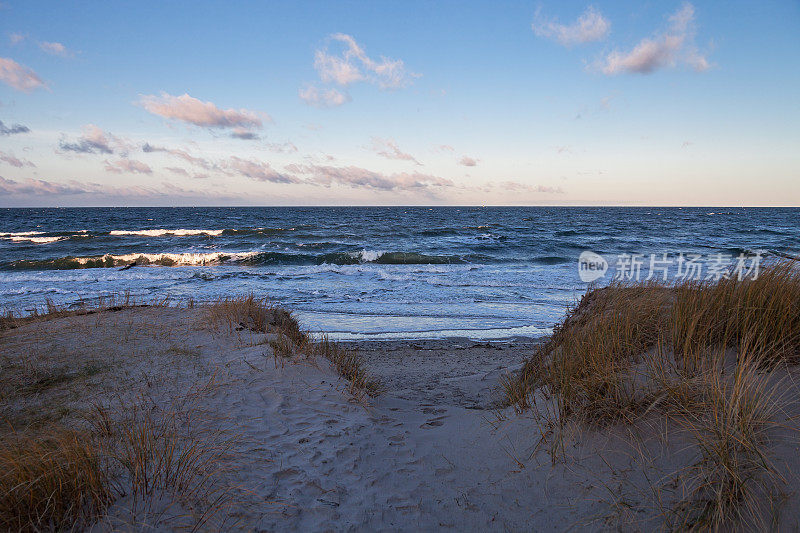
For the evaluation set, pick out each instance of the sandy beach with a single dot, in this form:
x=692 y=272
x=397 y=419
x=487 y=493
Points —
x=227 y=416
x=428 y=453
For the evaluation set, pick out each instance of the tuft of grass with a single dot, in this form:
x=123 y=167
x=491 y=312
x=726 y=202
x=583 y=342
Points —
x=282 y=347
x=734 y=475
x=153 y=456
x=593 y=363
x=348 y=364
x=255 y=314
x=57 y=482
x=701 y=353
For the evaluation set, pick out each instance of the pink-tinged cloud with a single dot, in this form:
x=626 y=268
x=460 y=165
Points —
x=322 y=97
x=19 y=76
x=182 y=154
x=666 y=49
x=468 y=161
x=129 y=166
x=204 y=114
x=516 y=186
x=56 y=49
x=334 y=69
x=388 y=148
x=30 y=187
x=16 y=38
x=177 y=170
x=282 y=148
x=357 y=177
x=346 y=68
x=15 y=161
x=244 y=134
x=256 y=170
x=590 y=26
x=95 y=141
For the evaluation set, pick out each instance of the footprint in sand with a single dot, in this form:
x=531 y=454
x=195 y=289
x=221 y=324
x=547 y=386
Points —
x=433 y=422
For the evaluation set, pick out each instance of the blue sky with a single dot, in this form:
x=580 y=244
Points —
x=279 y=103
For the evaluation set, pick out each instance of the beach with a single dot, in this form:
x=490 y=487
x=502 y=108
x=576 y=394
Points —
x=286 y=432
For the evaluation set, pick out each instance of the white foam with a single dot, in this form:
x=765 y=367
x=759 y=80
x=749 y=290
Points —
x=35 y=240
x=181 y=259
x=21 y=234
x=369 y=256
x=163 y=232
x=473 y=334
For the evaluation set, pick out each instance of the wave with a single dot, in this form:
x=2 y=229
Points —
x=35 y=240
x=163 y=232
x=253 y=258
x=109 y=261
x=41 y=237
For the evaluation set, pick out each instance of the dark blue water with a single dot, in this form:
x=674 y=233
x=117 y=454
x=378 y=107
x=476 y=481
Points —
x=364 y=272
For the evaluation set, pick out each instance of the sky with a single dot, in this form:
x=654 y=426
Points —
x=399 y=103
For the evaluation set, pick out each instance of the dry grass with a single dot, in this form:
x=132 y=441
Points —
x=58 y=482
x=699 y=353
x=734 y=476
x=254 y=314
x=106 y=303
x=258 y=315
x=349 y=365
x=59 y=473
x=62 y=479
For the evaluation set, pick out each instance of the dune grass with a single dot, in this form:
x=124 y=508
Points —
x=258 y=315
x=348 y=364
x=700 y=353
x=57 y=482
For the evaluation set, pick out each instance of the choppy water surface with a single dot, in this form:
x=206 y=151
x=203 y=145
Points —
x=374 y=272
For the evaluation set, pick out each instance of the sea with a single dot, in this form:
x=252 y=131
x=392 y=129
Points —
x=377 y=272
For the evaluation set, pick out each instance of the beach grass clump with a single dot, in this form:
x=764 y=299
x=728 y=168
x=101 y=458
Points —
x=599 y=362
x=59 y=479
x=734 y=475
x=765 y=309
x=587 y=364
x=350 y=365
x=703 y=354
x=152 y=455
x=53 y=483
x=282 y=347
x=255 y=314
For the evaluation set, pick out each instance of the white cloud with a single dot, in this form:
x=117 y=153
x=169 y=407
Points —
x=388 y=148
x=19 y=76
x=56 y=49
x=204 y=114
x=129 y=166
x=349 y=65
x=590 y=26
x=13 y=129
x=516 y=186
x=665 y=49
x=323 y=98
x=282 y=148
x=16 y=38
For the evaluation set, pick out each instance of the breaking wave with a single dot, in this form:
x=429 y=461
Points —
x=253 y=258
